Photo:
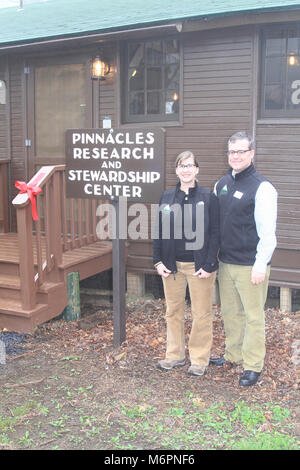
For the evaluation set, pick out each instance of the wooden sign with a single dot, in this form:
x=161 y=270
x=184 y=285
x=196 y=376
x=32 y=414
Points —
x=112 y=163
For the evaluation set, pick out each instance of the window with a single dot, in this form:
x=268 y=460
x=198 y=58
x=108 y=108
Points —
x=151 y=86
x=280 y=96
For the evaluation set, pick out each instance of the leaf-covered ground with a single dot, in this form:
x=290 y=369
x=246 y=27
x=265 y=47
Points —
x=69 y=388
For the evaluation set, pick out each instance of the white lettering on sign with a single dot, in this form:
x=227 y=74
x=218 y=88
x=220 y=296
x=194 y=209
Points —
x=137 y=153
x=112 y=190
x=116 y=176
x=296 y=94
x=120 y=138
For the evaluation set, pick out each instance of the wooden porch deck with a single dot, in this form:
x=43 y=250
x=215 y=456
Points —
x=73 y=260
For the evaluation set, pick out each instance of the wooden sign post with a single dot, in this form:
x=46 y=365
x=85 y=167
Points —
x=119 y=292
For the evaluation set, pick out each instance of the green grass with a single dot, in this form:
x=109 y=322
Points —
x=267 y=441
x=76 y=419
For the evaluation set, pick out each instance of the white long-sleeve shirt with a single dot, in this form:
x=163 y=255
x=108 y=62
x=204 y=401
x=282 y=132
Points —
x=265 y=215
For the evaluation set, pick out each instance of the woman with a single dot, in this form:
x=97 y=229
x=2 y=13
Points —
x=181 y=260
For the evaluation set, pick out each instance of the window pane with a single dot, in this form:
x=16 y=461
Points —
x=153 y=102
x=136 y=54
x=172 y=102
x=293 y=46
x=60 y=105
x=172 y=52
x=172 y=77
x=154 y=78
x=154 y=53
x=274 y=69
x=136 y=79
x=274 y=97
x=275 y=46
x=136 y=104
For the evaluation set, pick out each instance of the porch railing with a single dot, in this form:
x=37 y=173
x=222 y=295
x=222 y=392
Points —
x=63 y=224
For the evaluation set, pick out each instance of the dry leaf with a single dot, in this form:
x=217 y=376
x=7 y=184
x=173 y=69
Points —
x=120 y=356
x=198 y=401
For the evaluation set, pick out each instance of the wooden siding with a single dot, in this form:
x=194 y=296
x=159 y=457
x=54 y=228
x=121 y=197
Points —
x=17 y=127
x=4 y=115
x=278 y=159
x=4 y=149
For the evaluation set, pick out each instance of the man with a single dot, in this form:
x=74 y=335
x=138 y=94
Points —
x=248 y=212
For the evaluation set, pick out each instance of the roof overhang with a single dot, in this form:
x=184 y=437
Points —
x=90 y=38
x=186 y=25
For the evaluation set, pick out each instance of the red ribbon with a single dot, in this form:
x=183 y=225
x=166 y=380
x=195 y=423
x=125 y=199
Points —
x=32 y=191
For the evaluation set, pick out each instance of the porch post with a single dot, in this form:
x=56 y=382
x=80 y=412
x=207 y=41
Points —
x=72 y=311
x=28 y=290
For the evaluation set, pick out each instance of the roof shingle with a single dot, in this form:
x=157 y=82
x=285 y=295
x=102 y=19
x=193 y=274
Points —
x=61 y=18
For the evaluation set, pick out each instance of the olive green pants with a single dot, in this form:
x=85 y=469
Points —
x=242 y=306
x=201 y=295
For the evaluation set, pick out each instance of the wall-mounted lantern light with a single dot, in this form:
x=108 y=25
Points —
x=292 y=60
x=99 y=69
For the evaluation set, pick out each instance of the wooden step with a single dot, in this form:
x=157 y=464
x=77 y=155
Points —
x=51 y=301
x=10 y=287
x=14 y=318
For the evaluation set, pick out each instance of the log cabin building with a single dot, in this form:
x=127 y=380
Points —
x=199 y=70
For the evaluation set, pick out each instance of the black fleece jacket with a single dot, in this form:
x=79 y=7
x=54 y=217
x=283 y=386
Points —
x=164 y=247
x=236 y=196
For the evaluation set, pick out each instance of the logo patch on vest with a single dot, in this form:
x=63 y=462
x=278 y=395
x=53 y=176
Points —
x=223 y=190
x=238 y=194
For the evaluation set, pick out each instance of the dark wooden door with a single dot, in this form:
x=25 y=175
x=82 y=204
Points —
x=59 y=97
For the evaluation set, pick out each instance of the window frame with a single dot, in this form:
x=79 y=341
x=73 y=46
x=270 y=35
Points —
x=276 y=114
x=161 y=119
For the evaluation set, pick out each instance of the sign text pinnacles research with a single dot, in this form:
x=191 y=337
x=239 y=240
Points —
x=112 y=163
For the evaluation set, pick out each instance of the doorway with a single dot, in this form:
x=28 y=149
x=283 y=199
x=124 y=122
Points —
x=59 y=98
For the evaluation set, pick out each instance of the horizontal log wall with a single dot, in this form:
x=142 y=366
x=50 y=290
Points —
x=4 y=114
x=277 y=158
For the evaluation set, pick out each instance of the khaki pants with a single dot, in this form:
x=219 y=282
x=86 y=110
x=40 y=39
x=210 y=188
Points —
x=201 y=294
x=242 y=305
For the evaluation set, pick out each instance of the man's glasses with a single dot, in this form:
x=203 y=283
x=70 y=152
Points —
x=240 y=153
x=188 y=166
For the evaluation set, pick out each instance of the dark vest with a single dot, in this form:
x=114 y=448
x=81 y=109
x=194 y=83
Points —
x=169 y=249
x=236 y=196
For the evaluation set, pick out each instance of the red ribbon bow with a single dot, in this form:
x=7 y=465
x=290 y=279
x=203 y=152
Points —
x=32 y=191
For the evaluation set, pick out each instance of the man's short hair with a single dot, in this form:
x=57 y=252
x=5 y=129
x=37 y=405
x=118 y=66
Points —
x=241 y=136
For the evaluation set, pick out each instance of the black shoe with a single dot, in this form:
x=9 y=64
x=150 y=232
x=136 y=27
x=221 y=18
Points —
x=217 y=361
x=248 y=378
